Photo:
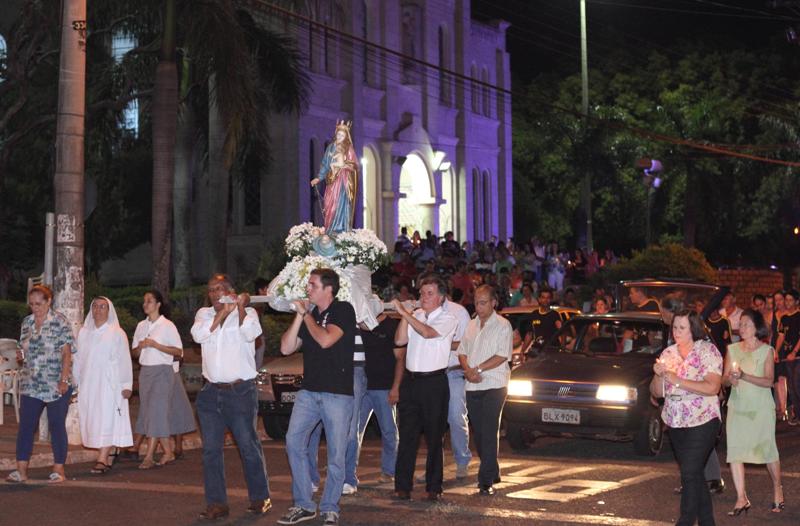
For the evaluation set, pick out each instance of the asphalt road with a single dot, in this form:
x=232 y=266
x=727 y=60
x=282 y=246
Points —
x=558 y=481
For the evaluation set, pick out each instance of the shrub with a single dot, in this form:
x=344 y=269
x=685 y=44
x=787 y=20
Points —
x=661 y=261
x=11 y=314
x=274 y=326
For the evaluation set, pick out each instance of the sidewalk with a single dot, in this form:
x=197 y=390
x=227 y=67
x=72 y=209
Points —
x=43 y=455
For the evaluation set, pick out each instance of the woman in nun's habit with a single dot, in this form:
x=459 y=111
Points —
x=104 y=376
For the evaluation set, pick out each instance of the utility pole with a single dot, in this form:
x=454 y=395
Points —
x=587 y=178
x=69 y=172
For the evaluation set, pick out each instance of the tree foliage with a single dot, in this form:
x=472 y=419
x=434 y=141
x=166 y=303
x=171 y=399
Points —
x=662 y=261
x=735 y=210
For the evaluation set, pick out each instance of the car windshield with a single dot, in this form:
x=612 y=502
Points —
x=631 y=296
x=608 y=336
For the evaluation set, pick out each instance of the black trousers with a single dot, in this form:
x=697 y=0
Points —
x=484 y=409
x=692 y=446
x=422 y=408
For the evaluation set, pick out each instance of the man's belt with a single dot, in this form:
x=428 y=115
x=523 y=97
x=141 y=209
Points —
x=455 y=368
x=230 y=385
x=425 y=374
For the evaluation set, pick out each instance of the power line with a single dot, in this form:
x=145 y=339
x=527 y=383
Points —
x=710 y=147
x=690 y=11
x=604 y=59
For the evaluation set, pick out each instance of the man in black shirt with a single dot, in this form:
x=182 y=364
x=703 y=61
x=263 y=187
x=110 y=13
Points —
x=544 y=322
x=640 y=302
x=325 y=328
x=385 y=365
x=787 y=346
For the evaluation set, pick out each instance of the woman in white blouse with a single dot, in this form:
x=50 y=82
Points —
x=157 y=342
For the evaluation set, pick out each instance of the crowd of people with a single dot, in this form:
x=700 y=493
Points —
x=443 y=362
x=508 y=266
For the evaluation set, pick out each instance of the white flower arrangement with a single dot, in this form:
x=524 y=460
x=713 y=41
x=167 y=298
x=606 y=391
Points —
x=356 y=247
x=292 y=280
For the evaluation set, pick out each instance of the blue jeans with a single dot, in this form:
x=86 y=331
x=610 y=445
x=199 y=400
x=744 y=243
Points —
x=234 y=408
x=377 y=401
x=457 y=418
x=335 y=412
x=353 y=441
x=313 y=454
x=30 y=409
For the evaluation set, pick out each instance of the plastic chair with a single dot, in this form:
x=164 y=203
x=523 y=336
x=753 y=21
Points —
x=9 y=385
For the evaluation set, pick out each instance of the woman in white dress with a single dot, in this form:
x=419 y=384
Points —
x=104 y=377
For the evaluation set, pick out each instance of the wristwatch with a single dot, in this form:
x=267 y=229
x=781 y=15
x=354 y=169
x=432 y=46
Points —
x=479 y=370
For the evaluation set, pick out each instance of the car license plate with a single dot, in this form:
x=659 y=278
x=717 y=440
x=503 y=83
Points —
x=288 y=398
x=561 y=416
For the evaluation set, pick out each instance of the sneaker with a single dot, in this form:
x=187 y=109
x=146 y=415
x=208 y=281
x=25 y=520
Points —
x=385 y=478
x=462 y=471
x=296 y=514
x=314 y=487
x=331 y=518
x=348 y=489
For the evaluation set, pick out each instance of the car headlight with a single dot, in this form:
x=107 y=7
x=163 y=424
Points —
x=262 y=377
x=617 y=393
x=520 y=388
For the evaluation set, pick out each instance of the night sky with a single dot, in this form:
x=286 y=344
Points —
x=545 y=34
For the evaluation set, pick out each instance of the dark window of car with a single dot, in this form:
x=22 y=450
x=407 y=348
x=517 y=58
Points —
x=608 y=337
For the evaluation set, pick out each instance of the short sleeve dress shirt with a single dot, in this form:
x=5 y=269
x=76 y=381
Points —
x=164 y=332
x=430 y=354
x=41 y=371
x=481 y=343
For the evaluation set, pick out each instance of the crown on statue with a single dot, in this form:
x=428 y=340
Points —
x=344 y=125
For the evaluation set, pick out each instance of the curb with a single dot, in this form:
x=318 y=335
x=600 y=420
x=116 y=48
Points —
x=81 y=456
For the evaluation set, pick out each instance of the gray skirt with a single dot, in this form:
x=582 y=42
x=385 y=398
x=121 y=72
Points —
x=155 y=396
x=181 y=415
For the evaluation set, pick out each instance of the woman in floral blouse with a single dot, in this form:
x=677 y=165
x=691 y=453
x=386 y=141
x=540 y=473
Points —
x=46 y=357
x=688 y=376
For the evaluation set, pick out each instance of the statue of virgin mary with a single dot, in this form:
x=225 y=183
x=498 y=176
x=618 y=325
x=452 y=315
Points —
x=339 y=168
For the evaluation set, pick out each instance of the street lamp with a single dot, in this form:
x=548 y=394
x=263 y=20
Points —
x=652 y=181
x=587 y=178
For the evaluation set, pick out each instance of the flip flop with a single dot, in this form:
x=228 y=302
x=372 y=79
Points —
x=148 y=464
x=163 y=462
x=55 y=478
x=15 y=478
x=101 y=470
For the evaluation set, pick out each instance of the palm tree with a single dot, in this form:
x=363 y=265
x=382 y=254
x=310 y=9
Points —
x=249 y=72
x=165 y=117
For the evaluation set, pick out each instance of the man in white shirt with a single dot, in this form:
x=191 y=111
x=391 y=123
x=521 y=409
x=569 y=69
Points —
x=484 y=354
x=424 y=392
x=226 y=332
x=734 y=314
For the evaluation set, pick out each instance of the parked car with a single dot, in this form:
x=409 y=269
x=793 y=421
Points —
x=278 y=381
x=520 y=315
x=592 y=378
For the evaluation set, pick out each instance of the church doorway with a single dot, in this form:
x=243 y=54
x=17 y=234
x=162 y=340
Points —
x=415 y=210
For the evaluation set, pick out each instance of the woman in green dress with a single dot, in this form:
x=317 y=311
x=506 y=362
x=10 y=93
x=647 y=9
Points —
x=749 y=369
